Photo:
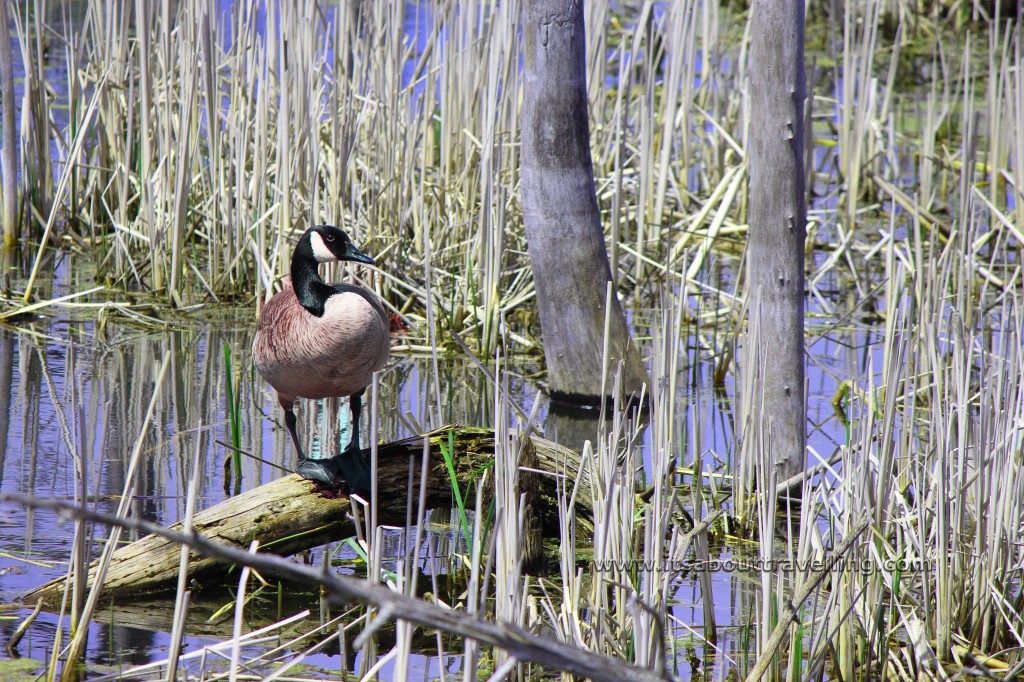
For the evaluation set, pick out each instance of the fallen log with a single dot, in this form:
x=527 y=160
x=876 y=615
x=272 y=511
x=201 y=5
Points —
x=288 y=515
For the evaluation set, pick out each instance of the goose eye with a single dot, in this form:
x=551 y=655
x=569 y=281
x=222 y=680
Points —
x=329 y=237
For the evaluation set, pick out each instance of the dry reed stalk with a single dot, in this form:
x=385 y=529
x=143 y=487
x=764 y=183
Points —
x=182 y=594
x=260 y=635
x=8 y=162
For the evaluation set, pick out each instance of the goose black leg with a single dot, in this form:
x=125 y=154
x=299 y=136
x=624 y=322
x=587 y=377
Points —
x=289 y=421
x=355 y=404
x=320 y=470
x=349 y=467
x=354 y=468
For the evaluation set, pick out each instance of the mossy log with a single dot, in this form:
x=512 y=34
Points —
x=288 y=515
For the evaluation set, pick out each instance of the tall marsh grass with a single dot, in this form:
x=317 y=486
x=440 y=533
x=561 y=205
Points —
x=214 y=135
x=198 y=147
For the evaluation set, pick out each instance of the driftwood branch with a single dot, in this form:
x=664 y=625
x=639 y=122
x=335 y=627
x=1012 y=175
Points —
x=525 y=646
x=288 y=515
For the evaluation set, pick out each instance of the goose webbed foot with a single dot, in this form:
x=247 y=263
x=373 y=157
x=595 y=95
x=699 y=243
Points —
x=324 y=471
x=355 y=469
x=348 y=470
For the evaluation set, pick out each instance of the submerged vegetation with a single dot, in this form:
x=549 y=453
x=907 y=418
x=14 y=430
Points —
x=196 y=143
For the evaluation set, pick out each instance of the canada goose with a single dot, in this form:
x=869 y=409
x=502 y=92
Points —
x=316 y=340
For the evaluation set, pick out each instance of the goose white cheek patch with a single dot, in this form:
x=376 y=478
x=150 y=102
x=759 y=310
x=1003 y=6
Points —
x=320 y=251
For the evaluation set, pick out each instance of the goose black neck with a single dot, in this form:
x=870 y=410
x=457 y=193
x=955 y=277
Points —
x=309 y=288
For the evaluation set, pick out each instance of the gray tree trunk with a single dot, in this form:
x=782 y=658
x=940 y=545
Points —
x=774 y=352
x=560 y=212
x=8 y=153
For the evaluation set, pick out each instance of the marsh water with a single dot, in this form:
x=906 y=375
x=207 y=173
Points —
x=75 y=387
x=78 y=380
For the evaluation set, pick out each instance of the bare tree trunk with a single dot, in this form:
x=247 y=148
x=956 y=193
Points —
x=9 y=186
x=560 y=212
x=774 y=352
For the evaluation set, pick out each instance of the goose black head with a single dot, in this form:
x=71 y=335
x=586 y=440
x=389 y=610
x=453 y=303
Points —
x=320 y=244
x=326 y=243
